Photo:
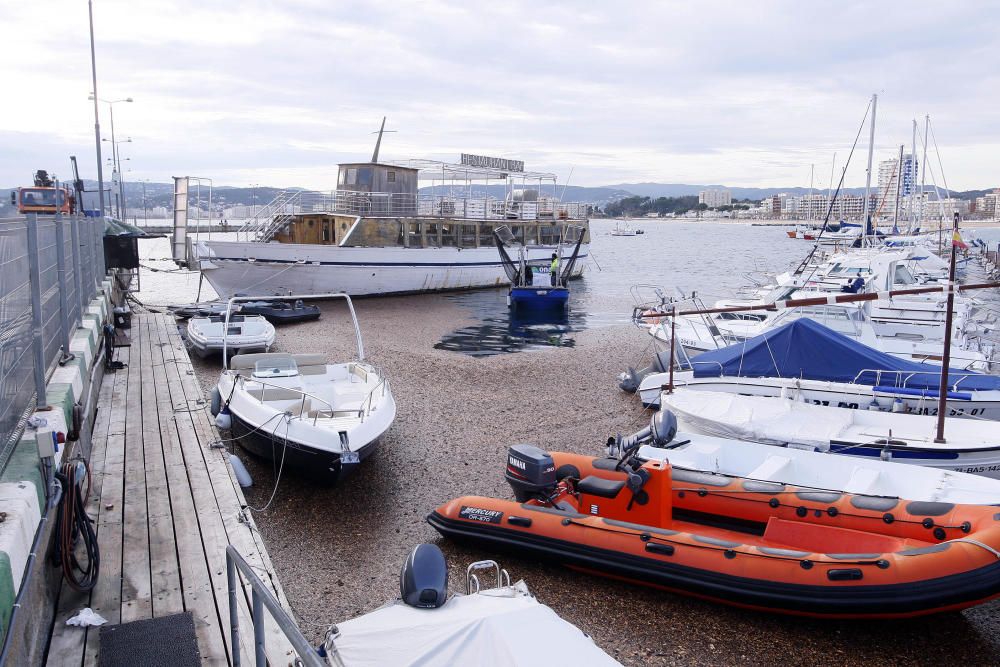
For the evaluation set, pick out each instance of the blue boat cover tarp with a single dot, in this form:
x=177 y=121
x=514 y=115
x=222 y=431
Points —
x=804 y=348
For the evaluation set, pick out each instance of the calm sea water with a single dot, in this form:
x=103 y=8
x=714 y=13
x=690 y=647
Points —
x=711 y=258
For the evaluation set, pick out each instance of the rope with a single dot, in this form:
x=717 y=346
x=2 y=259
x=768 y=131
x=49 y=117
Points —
x=281 y=467
x=73 y=526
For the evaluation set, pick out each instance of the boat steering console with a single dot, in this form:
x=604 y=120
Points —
x=532 y=474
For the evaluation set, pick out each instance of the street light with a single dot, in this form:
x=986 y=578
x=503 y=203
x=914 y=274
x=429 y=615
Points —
x=114 y=144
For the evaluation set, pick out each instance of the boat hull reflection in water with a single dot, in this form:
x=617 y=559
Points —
x=500 y=330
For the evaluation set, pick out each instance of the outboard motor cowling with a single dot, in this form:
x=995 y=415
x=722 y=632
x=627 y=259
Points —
x=531 y=472
x=423 y=581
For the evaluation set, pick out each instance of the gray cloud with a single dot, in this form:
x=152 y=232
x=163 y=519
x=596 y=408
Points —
x=731 y=92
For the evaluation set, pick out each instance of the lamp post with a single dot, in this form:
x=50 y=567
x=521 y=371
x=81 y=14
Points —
x=114 y=144
x=97 y=122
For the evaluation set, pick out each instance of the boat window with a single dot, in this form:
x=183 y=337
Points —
x=518 y=233
x=413 y=229
x=531 y=235
x=365 y=176
x=468 y=236
x=448 y=235
x=431 y=233
x=277 y=366
x=326 y=232
x=390 y=177
x=485 y=235
x=903 y=276
x=550 y=235
x=352 y=176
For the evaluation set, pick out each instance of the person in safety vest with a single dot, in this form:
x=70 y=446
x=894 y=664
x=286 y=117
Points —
x=554 y=269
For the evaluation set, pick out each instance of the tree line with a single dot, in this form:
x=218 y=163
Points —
x=637 y=206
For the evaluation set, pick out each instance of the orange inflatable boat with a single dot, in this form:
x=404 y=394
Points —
x=743 y=542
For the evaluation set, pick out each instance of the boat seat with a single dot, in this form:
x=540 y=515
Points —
x=598 y=486
x=309 y=359
x=265 y=394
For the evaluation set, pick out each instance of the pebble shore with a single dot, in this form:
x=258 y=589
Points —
x=338 y=550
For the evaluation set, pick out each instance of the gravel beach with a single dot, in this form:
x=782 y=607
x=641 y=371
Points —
x=338 y=550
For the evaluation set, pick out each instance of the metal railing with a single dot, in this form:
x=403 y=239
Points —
x=274 y=217
x=262 y=597
x=51 y=266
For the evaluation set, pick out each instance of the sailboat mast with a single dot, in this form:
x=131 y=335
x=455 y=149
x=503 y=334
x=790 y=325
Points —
x=923 y=178
x=829 y=190
x=899 y=180
x=913 y=177
x=868 y=174
x=946 y=354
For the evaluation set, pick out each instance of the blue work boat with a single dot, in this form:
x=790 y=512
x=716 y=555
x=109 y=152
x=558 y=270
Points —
x=536 y=285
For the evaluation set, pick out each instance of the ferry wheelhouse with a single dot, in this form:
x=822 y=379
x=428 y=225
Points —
x=378 y=233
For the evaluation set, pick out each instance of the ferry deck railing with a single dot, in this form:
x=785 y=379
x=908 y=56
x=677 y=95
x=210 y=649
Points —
x=261 y=597
x=274 y=217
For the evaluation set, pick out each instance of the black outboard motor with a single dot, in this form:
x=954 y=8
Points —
x=531 y=472
x=631 y=379
x=423 y=581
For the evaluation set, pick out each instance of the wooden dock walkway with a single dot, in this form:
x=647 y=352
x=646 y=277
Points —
x=166 y=504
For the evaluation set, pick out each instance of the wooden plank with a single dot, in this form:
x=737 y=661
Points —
x=137 y=602
x=206 y=511
x=164 y=568
x=198 y=593
x=105 y=599
x=237 y=523
x=66 y=645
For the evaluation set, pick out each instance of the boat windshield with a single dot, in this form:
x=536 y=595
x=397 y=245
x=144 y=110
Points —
x=276 y=366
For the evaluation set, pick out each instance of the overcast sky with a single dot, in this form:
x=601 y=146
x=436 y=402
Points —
x=276 y=93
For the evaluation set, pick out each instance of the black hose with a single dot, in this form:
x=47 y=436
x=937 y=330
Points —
x=73 y=526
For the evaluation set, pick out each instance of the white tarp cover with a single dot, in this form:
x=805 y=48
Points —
x=771 y=421
x=494 y=628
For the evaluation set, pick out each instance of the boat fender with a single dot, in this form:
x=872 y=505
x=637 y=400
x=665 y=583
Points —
x=423 y=579
x=216 y=401
x=663 y=427
x=242 y=474
x=224 y=420
x=898 y=405
x=874 y=406
x=629 y=381
x=76 y=422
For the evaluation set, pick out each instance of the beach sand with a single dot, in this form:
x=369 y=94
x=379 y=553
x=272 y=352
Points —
x=338 y=550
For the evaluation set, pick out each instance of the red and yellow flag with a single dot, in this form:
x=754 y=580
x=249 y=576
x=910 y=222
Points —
x=956 y=240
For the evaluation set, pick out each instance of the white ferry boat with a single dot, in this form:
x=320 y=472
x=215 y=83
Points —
x=377 y=234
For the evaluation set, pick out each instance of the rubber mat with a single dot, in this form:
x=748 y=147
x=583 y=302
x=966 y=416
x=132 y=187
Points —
x=168 y=641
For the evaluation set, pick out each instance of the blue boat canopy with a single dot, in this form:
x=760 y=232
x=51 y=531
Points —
x=804 y=348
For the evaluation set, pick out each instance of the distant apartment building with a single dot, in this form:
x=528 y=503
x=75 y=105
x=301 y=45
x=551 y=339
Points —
x=715 y=198
x=889 y=174
x=989 y=204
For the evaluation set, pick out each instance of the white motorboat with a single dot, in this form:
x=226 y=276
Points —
x=713 y=458
x=301 y=411
x=624 y=229
x=971 y=446
x=503 y=626
x=239 y=334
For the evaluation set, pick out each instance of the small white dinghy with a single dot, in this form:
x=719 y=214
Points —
x=239 y=335
x=703 y=459
x=972 y=446
x=504 y=626
x=303 y=412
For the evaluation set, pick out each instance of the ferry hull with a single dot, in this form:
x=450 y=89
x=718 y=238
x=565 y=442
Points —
x=282 y=268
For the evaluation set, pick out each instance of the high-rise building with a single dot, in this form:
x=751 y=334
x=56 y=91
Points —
x=889 y=174
x=715 y=198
